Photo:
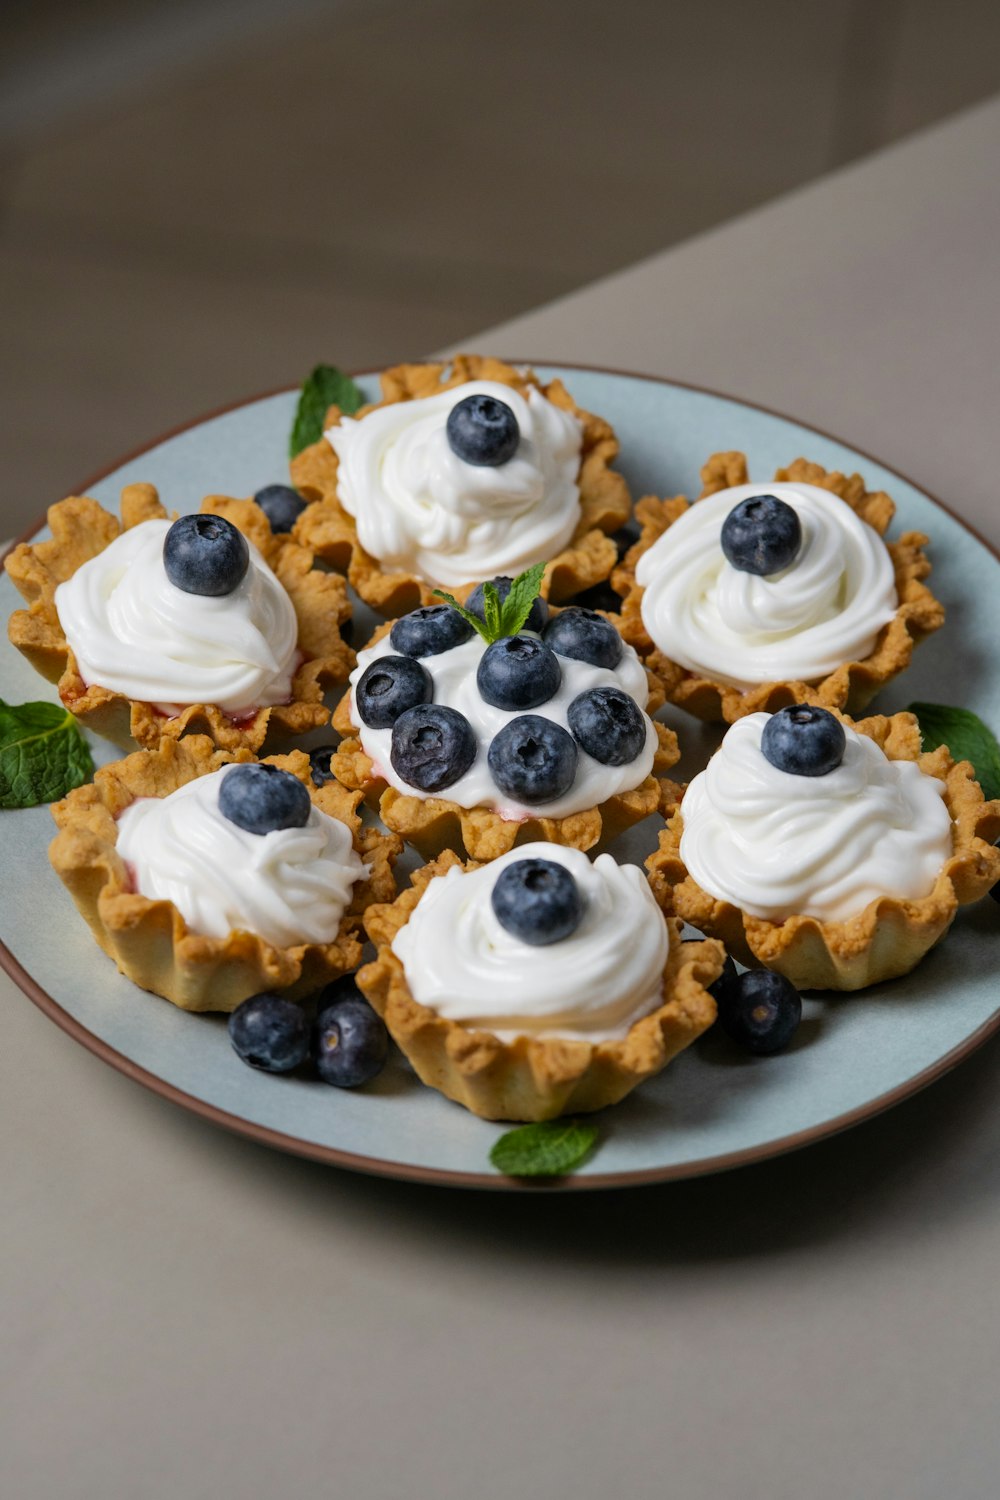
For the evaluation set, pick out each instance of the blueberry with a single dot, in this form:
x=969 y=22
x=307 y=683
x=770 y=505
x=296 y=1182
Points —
x=760 y=1010
x=270 y=1033
x=537 y=616
x=608 y=724
x=260 y=798
x=281 y=505
x=429 y=631
x=518 y=671
x=388 y=687
x=319 y=764
x=803 y=740
x=761 y=535
x=625 y=537
x=351 y=1040
x=483 y=431
x=585 y=636
x=533 y=759
x=432 y=746
x=538 y=901
x=205 y=555
x=600 y=596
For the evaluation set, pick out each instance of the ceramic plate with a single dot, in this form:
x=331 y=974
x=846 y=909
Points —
x=713 y=1107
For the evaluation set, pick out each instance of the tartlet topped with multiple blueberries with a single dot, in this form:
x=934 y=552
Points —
x=503 y=721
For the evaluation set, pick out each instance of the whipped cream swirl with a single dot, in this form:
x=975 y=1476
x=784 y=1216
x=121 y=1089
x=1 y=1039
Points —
x=420 y=507
x=778 y=845
x=454 y=677
x=289 y=886
x=592 y=986
x=825 y=609
x=134 y=632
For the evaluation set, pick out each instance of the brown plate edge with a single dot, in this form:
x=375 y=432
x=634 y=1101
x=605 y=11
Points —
x=379 y=1167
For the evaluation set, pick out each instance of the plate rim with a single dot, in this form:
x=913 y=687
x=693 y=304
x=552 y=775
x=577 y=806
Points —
x=440 y=1176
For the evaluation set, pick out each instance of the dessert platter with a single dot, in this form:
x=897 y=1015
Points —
x=532 y=750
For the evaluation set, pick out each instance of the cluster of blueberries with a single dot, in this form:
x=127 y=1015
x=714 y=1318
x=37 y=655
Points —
x=531 y=758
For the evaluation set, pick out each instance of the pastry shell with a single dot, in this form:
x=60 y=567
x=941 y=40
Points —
x=888 y=937
x=327 y=529
x=149 y=940
x=81 y=528
x=434 y=824
x=533 y=1078
x=852 y=685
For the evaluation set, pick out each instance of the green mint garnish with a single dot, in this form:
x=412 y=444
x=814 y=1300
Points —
x=502 y=618
x=966 y=736
x=43 y=755
x=549 y=1149
x=326 y=386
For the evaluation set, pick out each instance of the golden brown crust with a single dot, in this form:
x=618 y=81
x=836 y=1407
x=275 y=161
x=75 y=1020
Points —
x=854 y=684
x=149 y=940
x=532 y=1078
x=434 y=824
x=81 y=529
x=887 y=938
x=327 y=529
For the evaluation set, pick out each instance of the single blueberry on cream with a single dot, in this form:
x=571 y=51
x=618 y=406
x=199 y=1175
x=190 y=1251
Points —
x=136 y=632
x=475 y=948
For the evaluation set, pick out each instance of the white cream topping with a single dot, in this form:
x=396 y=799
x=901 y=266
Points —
x=825 y=609
x=290 y=886
x=420 y=507
x=453 y=674
x=778 y=845
x=591 y=986
x=134 y=632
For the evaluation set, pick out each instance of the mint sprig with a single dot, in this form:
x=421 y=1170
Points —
x=325 y=387
x=549 y=1149
x=43 y=755
x=502 y=616
x=966 y=736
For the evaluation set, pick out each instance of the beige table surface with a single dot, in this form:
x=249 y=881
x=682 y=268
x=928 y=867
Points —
x=186 y=1314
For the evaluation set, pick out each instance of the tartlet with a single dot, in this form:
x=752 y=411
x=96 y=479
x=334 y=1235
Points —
x=853 y=684
x=81 y=529
x=328 y=530
x=436 y=823
x=149 y=940
x=889 y=936
x=532 y=1078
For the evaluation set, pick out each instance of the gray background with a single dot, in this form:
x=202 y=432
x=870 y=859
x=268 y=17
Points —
x=187 y=1314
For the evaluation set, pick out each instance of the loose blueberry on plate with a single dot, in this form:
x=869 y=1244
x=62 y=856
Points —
x=483 y=431
x=205 y=555
x=432 y=746
x=533 y=759
x=270 y=1033
x=760 y=1010
x=281 y=505
x=625 y=537
x=600 y=596
x=388 y=687
x=761 y=535
x=351 y=1042
x=319 y=764
x=261 y=798
x=803 y=740
x=517 y=672
x=585 y=636
x=608 y=724
x=539 y=610
x=429 y=631
x=538 y=901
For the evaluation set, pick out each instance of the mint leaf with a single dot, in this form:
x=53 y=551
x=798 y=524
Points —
x=43 y=755
x=474 y=620
x=491 y=612
x=549 y=1149
x=523 y=593
x=326 y=386
x=966 y=736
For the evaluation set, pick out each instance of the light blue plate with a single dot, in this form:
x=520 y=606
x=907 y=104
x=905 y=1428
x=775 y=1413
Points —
x=712 y=1107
